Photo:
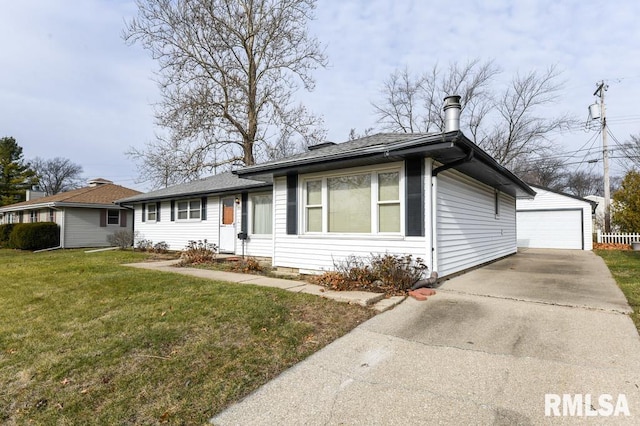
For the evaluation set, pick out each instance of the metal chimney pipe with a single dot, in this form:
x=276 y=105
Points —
x=452 y=113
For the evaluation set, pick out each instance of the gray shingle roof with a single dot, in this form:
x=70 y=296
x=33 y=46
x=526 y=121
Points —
x=221 y=183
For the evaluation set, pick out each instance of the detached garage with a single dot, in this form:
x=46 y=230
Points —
x=554 y=220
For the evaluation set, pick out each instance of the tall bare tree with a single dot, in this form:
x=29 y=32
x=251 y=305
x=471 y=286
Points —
x=628 y=154
x=413 y=103
x=228 y=72
x=507 y=123
x=57 y=174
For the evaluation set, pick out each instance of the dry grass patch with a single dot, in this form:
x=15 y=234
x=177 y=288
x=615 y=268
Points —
x=84 y=340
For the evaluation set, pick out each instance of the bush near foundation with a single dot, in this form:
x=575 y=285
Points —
x=385 y=273
x=5 y=233
x=34 y=236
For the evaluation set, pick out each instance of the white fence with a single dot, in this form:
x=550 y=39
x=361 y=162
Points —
x=617 y=238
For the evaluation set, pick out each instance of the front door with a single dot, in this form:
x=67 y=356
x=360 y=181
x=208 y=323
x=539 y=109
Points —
x=228 y=225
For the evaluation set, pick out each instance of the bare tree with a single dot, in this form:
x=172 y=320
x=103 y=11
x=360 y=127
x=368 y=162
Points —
x=520 y=132
x=628 y=154
x=547 y=172
x=413 y=103
x=582 y=183
x=228 y=70
x=57 y=174
x=505 y=123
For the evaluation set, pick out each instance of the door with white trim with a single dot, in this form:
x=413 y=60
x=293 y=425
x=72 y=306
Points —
x=227 y=225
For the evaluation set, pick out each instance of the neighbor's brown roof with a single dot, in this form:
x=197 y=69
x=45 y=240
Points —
x=101 y=194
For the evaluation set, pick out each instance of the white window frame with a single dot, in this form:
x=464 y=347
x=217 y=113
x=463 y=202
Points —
x=190 y=212
x=33 y=216
x=252 y=213
x=374 y=171
x=117 y=217
x=151 y=213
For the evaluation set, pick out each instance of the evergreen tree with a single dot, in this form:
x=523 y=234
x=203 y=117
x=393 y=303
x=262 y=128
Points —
x=15 y=176
x=626 y=204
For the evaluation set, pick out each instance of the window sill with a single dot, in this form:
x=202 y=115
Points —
x=372 y=237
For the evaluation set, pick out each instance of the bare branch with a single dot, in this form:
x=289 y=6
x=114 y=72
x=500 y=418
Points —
x=227 y=70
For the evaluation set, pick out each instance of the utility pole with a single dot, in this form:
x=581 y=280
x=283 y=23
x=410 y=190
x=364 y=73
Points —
x=602 y=87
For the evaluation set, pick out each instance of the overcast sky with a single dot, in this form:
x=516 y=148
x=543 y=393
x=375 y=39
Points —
x=70 y=87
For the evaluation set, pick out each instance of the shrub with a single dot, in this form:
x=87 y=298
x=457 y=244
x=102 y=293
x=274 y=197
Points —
x=35 y=236
x=144 y=245
x=247 y=266
x=5 y=233
x=199 y=252
x=391 y=274
x=161 y=247
x=122 y=238
x=400 y=272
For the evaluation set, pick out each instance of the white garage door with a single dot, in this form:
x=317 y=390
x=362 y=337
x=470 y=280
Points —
x=560 y=229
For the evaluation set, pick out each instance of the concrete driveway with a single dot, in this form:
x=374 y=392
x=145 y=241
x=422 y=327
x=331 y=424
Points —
x=487 y=349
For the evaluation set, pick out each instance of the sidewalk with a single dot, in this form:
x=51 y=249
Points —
x=376 y=301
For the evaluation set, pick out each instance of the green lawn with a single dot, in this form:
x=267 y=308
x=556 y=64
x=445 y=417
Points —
x=84 y=340
x=625 y=268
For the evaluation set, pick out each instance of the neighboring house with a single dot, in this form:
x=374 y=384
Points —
x=438 y=197
x=598 y=218
x=216 y=209
x=86 y=216
x=555 y=220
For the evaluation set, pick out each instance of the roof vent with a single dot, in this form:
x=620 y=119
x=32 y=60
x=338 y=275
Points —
x=320 y=145
x=98 y=182
x=452 y=110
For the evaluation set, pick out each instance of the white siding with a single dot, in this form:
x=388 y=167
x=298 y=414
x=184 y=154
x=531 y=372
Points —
x=82 y=228
x=547 y=201
x=467 y=230
x=319 y=252
x=178 y=233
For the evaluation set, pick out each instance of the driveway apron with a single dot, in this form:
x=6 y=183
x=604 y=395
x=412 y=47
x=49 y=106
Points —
x=488 y=348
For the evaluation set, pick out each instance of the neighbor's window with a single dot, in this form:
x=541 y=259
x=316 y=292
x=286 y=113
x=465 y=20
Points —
x=152 y=213
x=357 y=203
x=34 y=216
x=113 y=217
x=189 y=209
x=261 y=214
x=52 y=215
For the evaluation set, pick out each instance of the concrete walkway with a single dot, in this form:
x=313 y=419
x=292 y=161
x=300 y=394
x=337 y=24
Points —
x=487 y=349
x=376 y=301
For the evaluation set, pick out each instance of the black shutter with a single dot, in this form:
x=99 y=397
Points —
x=173 y=210
x=203 y=214
x=158 y=211
x=103 y=218
x=144 y=213
x=292 y=204
x=123 y=218
x=244 y=215
x=414 y=173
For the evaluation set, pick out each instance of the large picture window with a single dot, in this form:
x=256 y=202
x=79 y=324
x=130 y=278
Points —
x=189 y=209
x=261 y=214
x=359 y=203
